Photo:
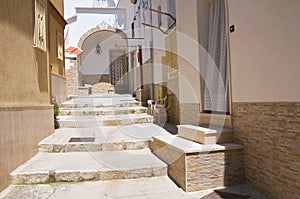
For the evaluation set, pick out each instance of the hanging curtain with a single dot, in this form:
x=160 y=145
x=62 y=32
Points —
x=216 y=72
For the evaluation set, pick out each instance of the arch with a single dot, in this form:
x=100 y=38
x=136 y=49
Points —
x=101 y=27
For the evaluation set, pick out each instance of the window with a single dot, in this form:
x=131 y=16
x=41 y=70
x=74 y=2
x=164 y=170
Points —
x=59 y=46
x=40 y=25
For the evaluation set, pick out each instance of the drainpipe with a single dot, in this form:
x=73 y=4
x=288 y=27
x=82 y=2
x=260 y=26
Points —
x=151 y=55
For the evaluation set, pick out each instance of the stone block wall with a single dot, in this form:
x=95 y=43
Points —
x=270 y=133
x=214 y=169
x=72 y=80
x=202 y=170
x=102 y=88
x=95 y=79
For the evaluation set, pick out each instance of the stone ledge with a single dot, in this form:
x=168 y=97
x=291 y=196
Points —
x=24 y=107
x=187 y=146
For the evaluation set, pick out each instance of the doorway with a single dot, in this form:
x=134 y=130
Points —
x=119 y=71
x=215 y=72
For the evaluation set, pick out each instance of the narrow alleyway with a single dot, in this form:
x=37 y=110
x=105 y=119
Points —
x=100 y=151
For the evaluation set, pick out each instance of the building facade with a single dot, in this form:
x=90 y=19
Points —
x=26 y=111
x=220 y=63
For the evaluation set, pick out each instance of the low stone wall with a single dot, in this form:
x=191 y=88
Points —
x=22 y=128
x=59 y=89
x=203 y=170
x=270 y=133
x=214 y=169
x=95 y=79
x=102 y=88
x=72 y=80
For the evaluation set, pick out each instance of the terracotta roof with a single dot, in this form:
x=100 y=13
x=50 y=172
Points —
x=74 y=50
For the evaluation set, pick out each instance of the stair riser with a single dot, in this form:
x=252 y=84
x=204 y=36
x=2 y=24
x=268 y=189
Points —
x=77 y=176
x=130 y=104
x=101 y=113
x=88 y=147
x=84 y=124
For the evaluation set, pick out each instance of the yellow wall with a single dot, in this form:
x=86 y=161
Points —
x=265 y=50
x=56 y=25
x=24 y=71
x=59 y=5
x=26 y=115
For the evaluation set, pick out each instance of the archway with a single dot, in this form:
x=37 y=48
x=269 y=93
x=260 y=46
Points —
x=104 y=57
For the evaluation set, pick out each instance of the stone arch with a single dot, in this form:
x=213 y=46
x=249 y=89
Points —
x=101 y=27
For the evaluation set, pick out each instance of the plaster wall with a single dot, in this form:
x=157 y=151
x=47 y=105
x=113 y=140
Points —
x=59 y=5
x=22 y=65
x=265 y=50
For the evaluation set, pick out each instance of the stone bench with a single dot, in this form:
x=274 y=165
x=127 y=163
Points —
x=196 y=167
x=202 y=135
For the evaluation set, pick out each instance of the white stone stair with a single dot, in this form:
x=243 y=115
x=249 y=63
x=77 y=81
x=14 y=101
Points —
x=142 y=188
x=103 y=111
x=111 y=120
x=100 y=102
x=88 y=166
x=104 y=138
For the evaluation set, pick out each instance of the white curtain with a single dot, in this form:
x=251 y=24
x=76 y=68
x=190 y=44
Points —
x=216 y=72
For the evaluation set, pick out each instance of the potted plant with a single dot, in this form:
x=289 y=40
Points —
x=56 y=112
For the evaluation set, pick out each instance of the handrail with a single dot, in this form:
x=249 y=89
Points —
x=164 y=13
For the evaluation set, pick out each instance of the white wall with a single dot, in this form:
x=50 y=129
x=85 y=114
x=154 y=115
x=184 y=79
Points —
x=91 y=63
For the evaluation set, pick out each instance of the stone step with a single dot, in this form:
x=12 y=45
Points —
x=211 y=135
x=88 y=166
x=92 y=121
x=102 y=111
x=100 y=102
x=105 y=138
x=142 y=188
x=156 y=187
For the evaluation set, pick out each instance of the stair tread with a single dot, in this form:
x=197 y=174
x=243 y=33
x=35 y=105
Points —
x=107 y=133
x=137 y=136
x=103 y=108
x=155 y=187
x=86 y=161
x=105 y=117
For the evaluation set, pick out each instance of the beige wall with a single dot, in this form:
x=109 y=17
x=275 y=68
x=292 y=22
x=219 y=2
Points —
x=59 y=89
x=25 y=112
x=265 y=72
x=56 y=25
x=22 y=128
x=188 y=61
x=265 y=50
x=24 y=69
x=59 y=5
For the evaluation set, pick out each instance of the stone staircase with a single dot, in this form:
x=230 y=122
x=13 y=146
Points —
x=102 y=138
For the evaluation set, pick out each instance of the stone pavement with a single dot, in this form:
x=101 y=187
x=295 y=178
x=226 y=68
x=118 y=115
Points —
x=91 y=159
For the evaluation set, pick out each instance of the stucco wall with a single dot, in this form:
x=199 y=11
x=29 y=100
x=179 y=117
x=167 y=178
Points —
x=59 y=89
x=265 y=50
x=188 y=60
x=22 y=128
x=265 y=72
x=25 y=112
x=59 y=5
x=24 y=71
x=56 y=25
